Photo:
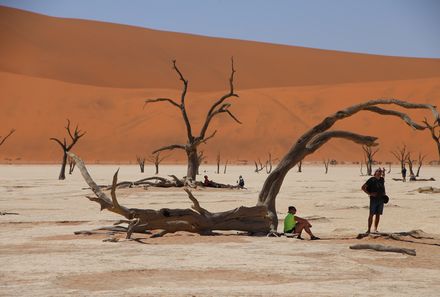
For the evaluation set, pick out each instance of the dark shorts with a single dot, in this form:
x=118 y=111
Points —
x=376 y=205
x=292 y=230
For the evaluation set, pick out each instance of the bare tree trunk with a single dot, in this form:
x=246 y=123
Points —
x=226 y=165
x=218 y=163
x=362 y=173
x=326 y=163
x=300 y=166
x=410 y=164
x=71 y=164
x=420 y=163
x=62 y=175
x=192 y=163
x=141 y=162
x=269 y=164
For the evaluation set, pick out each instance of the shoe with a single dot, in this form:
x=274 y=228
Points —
x=300 y=238
x=314 y=238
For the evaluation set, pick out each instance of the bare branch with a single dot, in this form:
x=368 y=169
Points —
x=182 y=101
x=171 y=101
x=102 y=198
x=401 y=115
x=317 y=141
x=169 y=147
x=63 y=145
x=9 y=134
x=196 y=205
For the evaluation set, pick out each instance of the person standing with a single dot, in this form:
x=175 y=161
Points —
x=404 y=173
x=375 y=188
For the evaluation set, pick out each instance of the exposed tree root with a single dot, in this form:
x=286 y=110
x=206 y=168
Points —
x=8 y=213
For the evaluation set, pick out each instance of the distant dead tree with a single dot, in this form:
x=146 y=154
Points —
x=3 y=139
x=263 y=217
x=369 y=157
x=226 y=165
x=141 y=162
x=218 y=163
x=410 y=162
x=258 y=166
x=193 y=142
x=269 y=164
x=72 y=164
x=74 y=137
x=200 y=158
x=435 y=133
x=401 y=154
x=300 y=166
x=362 y=172
x=326 y=163
x=156 y=159
x=420 y=163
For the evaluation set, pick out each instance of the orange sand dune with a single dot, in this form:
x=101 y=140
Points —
x=104 y=54
x=98 y=74
x=118 y=128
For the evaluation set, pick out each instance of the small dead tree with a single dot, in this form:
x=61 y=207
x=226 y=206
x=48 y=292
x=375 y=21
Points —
x=193 y=141
x=326 y=163
x=3 y=139
x=74 y=137
x=156 y=159
x=300 y=166
x=269 y=164
x=401 y=154
x=72 y=164
x=261 y=218
x=410 y=162
x=420 y=163
x=369 y=157
x=218 y=163
x=141 y=162
x=258 y=166
x=435 y=133
x=226 y=165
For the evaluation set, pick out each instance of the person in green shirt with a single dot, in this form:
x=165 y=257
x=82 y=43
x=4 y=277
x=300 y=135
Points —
x=295 y=224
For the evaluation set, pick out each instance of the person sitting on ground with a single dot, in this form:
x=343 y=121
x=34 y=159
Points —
x=240 y=182
x=294 y=224
x=210 y=183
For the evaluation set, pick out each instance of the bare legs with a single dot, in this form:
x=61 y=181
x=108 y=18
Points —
x=303 y=224
x=376 y=222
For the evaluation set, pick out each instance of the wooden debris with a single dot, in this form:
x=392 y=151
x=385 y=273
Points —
x=383 y=248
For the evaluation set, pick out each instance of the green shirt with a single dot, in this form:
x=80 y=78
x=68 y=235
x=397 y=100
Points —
x=289 y=222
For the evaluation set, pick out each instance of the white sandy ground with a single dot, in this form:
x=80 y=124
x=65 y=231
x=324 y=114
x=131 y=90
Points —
x=41 y=256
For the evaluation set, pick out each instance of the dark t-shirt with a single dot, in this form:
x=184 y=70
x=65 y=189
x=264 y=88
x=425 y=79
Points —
x=375 y=185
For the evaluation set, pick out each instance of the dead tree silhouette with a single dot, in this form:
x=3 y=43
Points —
x=435 y=133
x=401 y=154
x=156 y=159
x=74 y=137
x=369 y=157
x=141 y=162
x=193 y=141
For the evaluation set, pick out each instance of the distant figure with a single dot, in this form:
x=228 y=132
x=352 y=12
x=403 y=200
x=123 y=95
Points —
x=210 y=183
x=295 y=224
x=412 y=177
x=375 y=188
x=404 y=173
x=240 y=182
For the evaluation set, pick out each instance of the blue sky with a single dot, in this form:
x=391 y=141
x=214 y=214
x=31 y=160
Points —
x=387 y=27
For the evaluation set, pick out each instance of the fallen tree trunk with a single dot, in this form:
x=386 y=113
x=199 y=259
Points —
x=196 y=220
x=383 y=248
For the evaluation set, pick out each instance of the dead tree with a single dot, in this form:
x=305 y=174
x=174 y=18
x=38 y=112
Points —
x=74 y=137
x=326 y=163
x=435 y=133
x=410 y=162
x=156 y=160
x=389 y=167
x=269 y=164
x=401 y=154
x=218 y=164
x=300 y=166
x=3 y=139
x=369 y=157
x=219 y=106
x=72 y=164
x=226 y=165
x=261 y=218
x=420 y=163
x=258 y=166
x=141 y=162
